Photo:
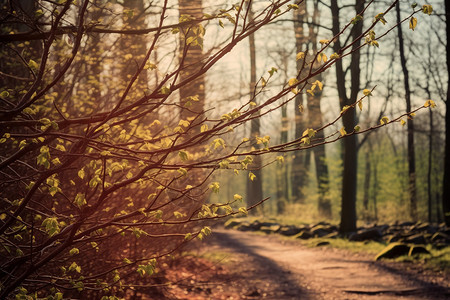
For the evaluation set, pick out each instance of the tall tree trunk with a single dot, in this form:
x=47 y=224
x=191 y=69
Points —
x=316 y=121
x=282 y=175
x=410 y=125
x=191 y=57
x=350 y=147
x=367 y=177
x=430 y=166
x=254 y=186
x=446 y=183
x=299 y=168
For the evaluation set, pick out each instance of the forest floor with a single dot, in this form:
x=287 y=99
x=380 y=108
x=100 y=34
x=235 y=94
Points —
x=232 y=264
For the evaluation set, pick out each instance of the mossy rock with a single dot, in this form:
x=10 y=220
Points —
x=304 y=235
x=231 y=223
x=322 y=230
x=394 y=238
x=322 y=243
x=270 y=229
x=440 y=237
x=417 y=249
x=244 y=226
x=393 y=250
x=374 y=233
x=289 y=230
x=417 y=239
x=332 y=235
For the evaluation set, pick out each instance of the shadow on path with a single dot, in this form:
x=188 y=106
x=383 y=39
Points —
x=275 y=270
x=269 y=279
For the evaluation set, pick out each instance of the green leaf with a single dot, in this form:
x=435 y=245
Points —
x=412 y=23
x=75 y=267
x=367 y=92
x=81 y=173
x=292 y=81
x=148 y=269
x=183 y=155
x=427 y=9
x=182 y=171
x=74 y=251
x=300 y=55
x=430 y=103
x=237 y=197
x=80 y=200
x=334 y=56
x=380 y=17
x=356 y=19
x=384 y=120
x=360 y=105
x=243 y=210
x=33 y=65
x=272 y=71
x=215 y=186
x=51 y=226
x=4 y=94
x=165 y=90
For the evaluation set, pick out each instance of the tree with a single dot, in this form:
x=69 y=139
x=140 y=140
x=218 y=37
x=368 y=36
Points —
x=349 y=180
x=446 y=181
x=409 y=122
x=254 y=181
x=316 y=120
x=299 y=161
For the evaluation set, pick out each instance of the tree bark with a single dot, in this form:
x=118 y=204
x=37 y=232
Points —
x=316 y=121
x=409 y=124
x=350 y=147
x=299 y=164
x=254 y=187
x=191 y=57
x=446 y=183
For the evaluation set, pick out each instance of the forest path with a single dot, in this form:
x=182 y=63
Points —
x=268 y=267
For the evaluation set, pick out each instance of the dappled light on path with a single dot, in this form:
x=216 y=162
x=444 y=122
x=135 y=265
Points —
x=280 y=269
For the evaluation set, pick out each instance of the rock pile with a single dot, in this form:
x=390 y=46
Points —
x=401 y=238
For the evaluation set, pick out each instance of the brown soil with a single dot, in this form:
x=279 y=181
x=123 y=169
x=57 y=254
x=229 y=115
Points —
x=242 y=265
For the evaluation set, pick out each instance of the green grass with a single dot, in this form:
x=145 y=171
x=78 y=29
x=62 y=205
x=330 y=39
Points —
x=439 y=260
x=369 y=247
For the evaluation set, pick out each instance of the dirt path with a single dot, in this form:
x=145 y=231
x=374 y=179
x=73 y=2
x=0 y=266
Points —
x=267 y=267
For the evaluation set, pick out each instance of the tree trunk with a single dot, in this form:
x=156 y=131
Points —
x=299 y=168
x=316 y=121
x=191 y=57
x=350 y=147
x=446 y=183
x=367 y=175
x=254 y=187
x=410 y=125
x=282 y=175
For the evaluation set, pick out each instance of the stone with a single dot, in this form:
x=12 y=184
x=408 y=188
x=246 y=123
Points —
x=322 y=230
x=289 y=230
x=393 y=250
x=322 y=243
x=417 y=239
x=231 y=223
x=304 y=235
x=440 y=237
x=373 y=233
x=415 y=250
x=270 y=229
